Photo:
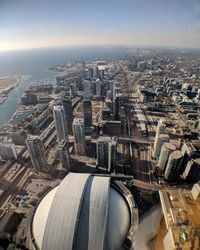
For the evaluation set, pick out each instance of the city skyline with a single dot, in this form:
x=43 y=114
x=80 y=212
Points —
x=27 y=25
x=96 y=141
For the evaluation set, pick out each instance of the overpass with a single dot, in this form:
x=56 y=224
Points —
x=131 y=140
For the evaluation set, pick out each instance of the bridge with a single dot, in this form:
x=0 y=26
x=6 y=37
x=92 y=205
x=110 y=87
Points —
x=131 y=140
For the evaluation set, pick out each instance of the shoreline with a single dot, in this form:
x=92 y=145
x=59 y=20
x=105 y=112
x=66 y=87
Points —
x=12 y=82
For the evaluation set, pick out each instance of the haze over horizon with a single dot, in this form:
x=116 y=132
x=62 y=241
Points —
x=49 y=23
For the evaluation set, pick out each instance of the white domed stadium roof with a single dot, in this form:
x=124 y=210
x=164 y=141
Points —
x=83 y=212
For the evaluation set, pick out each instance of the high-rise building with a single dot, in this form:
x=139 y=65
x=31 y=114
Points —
x=87 y=89
x=173 y=166
x=166 y=150
x=141 y=66
x=90 y=73
x=105 y=113
x=28 y=98
x=73 y=89
x=114 y=92
x=36 y=151
x=60 y=122
x=63 y=149
x=192 y=171
x=19 y=137
x=117 y=104
x=103 y=151
x=96 y=71
x=101 y=73
x=98 y=88
x=67 y=105
x=109 y=104
x=159 y=142
x=8 y=151
x=109 y=95
x=112 y=145
x=160 y=130
x=188 y=150
x=79 y=136
x=112 y=88
x=87 y=113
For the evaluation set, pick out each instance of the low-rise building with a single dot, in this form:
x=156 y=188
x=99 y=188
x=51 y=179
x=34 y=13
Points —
x=182 y=218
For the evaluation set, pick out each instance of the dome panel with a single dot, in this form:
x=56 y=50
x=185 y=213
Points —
x=83 y=213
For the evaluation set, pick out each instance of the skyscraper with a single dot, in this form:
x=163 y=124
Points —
x=109 y=94
x=96 y=71
x=188 y=150
x=103 y=151
x=111 y=86
x=19 y=137
x=159 y=142
x=166 y=150
x=63 y=149
x=101 y=73
x=160 y=130
x=67 y=105
x=98 y=88
x=113 y=92
x=86 y=87
x=79 y=136
x=90 y=73
x=112 y=155
x=87 y=113
x=36 y=151
x=173 y=166
x=60 y=122
x=192 y=171
x=8 y=151
x=73 y=90
x=117 y=107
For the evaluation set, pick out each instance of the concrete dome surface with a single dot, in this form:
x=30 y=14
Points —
x=84 y=212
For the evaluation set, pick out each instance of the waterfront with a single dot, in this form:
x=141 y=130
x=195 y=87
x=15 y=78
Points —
x=33 y=64
x=8 y=108
x=105 y=121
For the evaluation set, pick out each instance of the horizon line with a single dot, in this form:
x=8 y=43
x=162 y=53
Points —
x=122 y=46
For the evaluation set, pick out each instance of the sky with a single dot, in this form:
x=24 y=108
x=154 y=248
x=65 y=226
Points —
x=28 y=24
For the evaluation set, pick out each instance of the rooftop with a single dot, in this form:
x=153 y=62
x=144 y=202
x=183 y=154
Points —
x=182 y=219
x=80 y=213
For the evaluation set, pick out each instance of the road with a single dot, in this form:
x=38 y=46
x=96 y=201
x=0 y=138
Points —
x=12 y=187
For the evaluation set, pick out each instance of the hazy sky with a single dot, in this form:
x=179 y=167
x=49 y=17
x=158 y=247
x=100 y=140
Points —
x=50 y=23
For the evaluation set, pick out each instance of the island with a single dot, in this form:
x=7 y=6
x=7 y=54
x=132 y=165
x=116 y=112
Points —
x=7 y=83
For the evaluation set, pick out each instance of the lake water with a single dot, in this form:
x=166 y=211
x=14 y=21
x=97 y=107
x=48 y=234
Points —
x=33 y=65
